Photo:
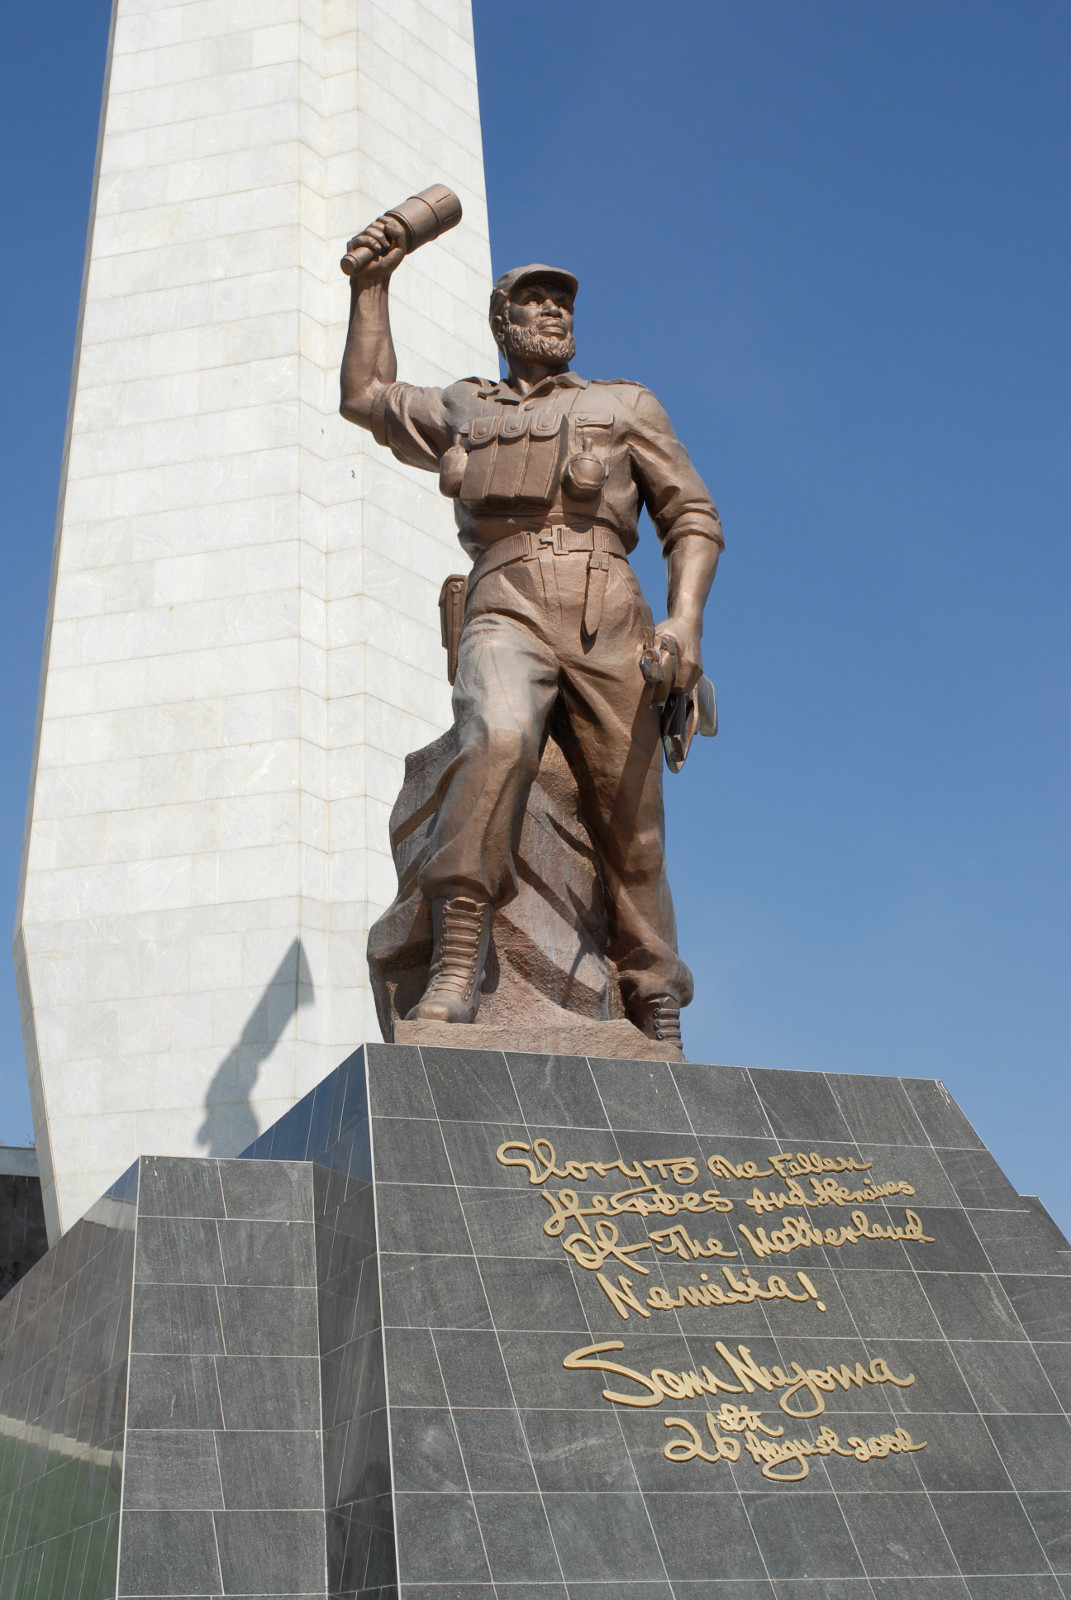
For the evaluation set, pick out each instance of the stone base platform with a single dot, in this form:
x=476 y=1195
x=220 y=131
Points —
x=620 y=1039
x=473 y=1325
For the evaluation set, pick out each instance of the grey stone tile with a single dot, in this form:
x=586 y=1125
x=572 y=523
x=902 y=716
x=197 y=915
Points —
x=1048 y=1223
x=413 y=1376
x=517 y=1539
x=939 y=1385
x=578 y=1451
x=1019 y=1224
x=627 y=1591
x=432 y=1291
x=532 y=1294
x=472 y=1368
x=1043 y=1305
x=977 y=1179
x=275 y=1392
x=494 y=1450
x=1027 y=1256
x=916 y=1165
x=801 y=1107
x=534 y=1363
x=473 y=1161
x=175 y=1319
x=940 y=1115
x=169 y=1553
x=268 y=1254
x=1019 y=1588
x=960 y=1455
x=352 y=1380
x=650 y=1150
x=785 y=1318
x=971 y=1305
x=411 y=1150
x=397 y=1083
x=425 y=1452
x=640 y=1095
x=266 y=1471
x=889 y=1304
x=425 y=1218
x=369 y=1561
x=438 y=1539
x=803 y=1536
x=1035 y=1450
x=268 y=1322
x=989 y=1534
x=268 y=1552
x=877 y=1110
x=955 y=1248
x=510 y=1222
x=173 y=1392
x=465 y=1591
x=176 y=1186
x=177 y=1250
x=699 y=1535
x=1056 y=1362
x=266 y=1191
x=726 y=1589
x=357 y=1461
x=920 y=1589
x=603 y=1538
x=825 y=1589
x=471 y=1085
x=170 y=1470
x=1050 y=1515
x=1005 y=1377
x=720 y=1101
x=556 y=1091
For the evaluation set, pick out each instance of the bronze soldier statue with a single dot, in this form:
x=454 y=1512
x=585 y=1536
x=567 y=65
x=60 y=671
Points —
x=548 y=473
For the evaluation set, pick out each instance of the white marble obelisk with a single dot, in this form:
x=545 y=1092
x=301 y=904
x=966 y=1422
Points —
x=242 y=636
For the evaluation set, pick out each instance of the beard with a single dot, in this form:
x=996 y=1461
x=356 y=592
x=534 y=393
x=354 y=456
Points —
x=548 y=349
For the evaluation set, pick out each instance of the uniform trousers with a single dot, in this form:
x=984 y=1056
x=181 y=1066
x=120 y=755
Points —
x=523 y=664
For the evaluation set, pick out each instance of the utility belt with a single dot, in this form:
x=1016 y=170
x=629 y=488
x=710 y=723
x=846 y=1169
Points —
x=558 y=539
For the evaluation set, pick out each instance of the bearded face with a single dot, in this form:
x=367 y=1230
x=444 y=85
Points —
x=547 y=348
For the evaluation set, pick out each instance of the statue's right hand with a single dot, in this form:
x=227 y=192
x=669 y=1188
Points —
x=385 y=238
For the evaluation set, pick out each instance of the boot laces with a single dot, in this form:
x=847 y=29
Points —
x=666 y=1018
x=458 y=953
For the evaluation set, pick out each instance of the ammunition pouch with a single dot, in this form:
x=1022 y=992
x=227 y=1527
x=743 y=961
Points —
x=514 y=459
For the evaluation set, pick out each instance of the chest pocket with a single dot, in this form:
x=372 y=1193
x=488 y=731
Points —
x=592 y=427
x=514 y=459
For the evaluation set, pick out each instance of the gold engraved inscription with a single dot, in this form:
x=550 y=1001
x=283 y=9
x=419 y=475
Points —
x=591 y=1238
x=798 y=1233
x=826 y=1192
x=592 y=1232
x=809 y=1384
x=774 y=1452
x=803 y=1397
x=738 y=1291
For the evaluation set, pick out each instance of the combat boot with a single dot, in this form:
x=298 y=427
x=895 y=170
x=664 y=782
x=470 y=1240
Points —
x=462 y=934
x=659 y=1017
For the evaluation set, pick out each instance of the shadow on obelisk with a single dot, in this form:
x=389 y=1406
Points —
x=230 y=1124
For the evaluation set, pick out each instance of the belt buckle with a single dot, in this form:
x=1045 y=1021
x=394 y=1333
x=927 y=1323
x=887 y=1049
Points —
x=557 y=532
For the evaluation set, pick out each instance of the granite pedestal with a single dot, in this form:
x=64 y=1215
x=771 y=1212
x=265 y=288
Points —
x=465 y=1324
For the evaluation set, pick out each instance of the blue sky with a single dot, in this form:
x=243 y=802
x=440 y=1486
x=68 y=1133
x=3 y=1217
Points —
x=834 y=239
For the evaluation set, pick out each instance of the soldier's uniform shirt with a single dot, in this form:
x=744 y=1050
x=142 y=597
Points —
x=621 y=423
x=523 y=662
